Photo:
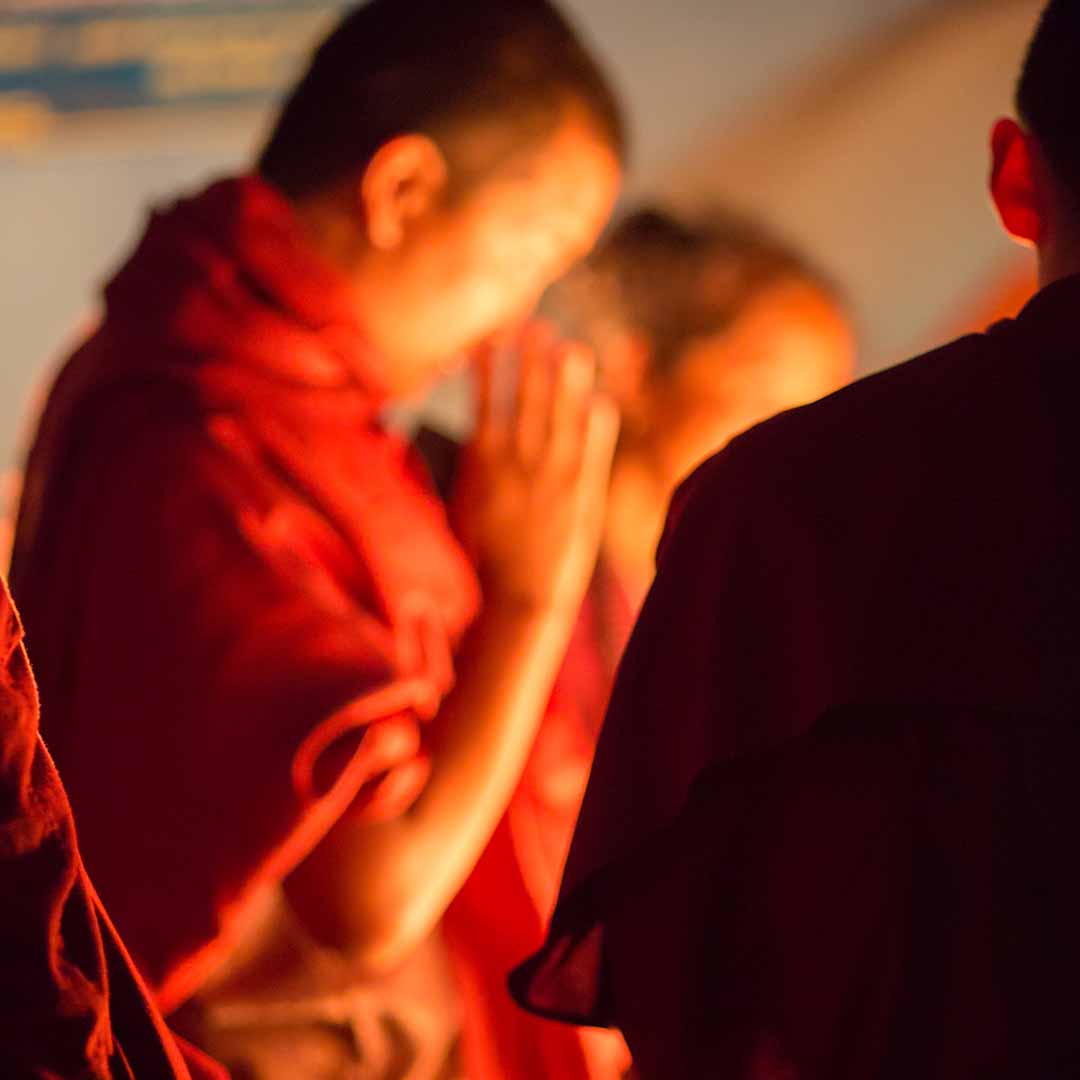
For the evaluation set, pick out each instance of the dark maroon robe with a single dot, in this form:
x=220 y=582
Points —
x=909 y=540
x=71 y=1004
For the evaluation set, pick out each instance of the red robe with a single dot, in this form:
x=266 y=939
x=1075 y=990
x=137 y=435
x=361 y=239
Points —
x=909 y=540
x=500 y=914
x=72 y=1004
x=244 y=596
x=501 y=911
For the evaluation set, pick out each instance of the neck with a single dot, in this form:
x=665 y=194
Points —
x=637 y=506
x=1056 y=264
x=1059 y=248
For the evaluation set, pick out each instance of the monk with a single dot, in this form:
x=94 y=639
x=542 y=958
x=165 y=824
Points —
x=73 y=1004
x=292 y=701
x=701 y=328
x=908 y=541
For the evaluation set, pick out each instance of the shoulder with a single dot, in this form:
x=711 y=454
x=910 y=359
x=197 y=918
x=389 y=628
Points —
x=843 y=439
x=124 y=464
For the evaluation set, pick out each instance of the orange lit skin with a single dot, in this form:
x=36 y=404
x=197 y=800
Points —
x=436 y=273
x=790 y=346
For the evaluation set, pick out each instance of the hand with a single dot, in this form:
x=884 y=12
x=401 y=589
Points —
x=530 y=498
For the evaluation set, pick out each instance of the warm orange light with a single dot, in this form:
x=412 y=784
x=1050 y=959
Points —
x=1001 y=297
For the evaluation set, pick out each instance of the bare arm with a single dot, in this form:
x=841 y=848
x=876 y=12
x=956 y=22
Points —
x=531 y=509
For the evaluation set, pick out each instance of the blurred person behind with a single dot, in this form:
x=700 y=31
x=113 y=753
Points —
x=890 y=570
x=291 y=703
x=701 y=329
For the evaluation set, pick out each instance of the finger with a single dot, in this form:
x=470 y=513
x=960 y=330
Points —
x=534 y=389
x=508 y=336
x=483 y=367
x=601 y=437
x=570 y=405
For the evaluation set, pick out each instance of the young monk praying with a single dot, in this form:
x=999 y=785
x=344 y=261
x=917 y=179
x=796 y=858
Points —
x=700 y=330
x=905 y=547
x=291 y=701
x=72 y=1004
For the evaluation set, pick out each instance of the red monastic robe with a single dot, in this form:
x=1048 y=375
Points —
x=910 y=540
x=500 y=914
x=72 y=1004
x=244 y=595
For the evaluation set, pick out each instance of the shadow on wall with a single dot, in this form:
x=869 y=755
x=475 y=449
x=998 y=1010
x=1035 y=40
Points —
x=877 y=162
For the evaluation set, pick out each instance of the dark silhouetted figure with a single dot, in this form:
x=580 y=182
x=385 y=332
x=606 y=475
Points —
x=909 y=541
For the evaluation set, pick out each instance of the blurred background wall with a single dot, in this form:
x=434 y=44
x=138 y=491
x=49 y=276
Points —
x=859 y=129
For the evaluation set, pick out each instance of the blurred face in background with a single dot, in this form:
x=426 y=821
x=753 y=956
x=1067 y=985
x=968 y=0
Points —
x=790 y=345
x=699 y=335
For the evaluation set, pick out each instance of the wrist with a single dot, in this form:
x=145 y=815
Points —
x=527 y=607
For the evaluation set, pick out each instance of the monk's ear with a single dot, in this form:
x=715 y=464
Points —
x=403 y=181
x=1013 y=183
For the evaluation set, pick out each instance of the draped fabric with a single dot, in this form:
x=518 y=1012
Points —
x=889 y=896
x=909 y=540
x=245 y=596
x=500 y=914
x=72 y=1004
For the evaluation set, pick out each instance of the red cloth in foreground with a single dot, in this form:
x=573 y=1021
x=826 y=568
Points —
x=243 y=595
x=910 y=539
x=500 y=914
x=72 y=1004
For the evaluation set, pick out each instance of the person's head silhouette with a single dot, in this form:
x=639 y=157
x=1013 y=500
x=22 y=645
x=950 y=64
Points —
x=1035 y=182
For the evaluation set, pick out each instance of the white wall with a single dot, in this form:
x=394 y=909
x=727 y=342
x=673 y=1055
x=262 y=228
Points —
x=687 y=67
x=877 y=160
x=690 y=70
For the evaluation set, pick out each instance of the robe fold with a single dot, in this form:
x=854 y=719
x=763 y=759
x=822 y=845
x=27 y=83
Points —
x=73 y=1007
x=244 y=593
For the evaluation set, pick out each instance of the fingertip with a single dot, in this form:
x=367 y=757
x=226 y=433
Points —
x=537 y=337
x=482 y=355
x=578 y=367
x=539 y=325
x=506 y=336
x=607 y=413
x=610 y=416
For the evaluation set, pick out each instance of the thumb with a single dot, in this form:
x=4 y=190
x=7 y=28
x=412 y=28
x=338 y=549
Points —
x=601 y=437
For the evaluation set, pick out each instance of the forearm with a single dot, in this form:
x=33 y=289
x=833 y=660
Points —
x=529 y=507
x=380 y=889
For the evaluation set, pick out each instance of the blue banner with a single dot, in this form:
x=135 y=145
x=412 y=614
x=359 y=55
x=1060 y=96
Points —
x=61 y=58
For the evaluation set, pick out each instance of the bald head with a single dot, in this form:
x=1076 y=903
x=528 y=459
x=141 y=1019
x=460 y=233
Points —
x=494 y=74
